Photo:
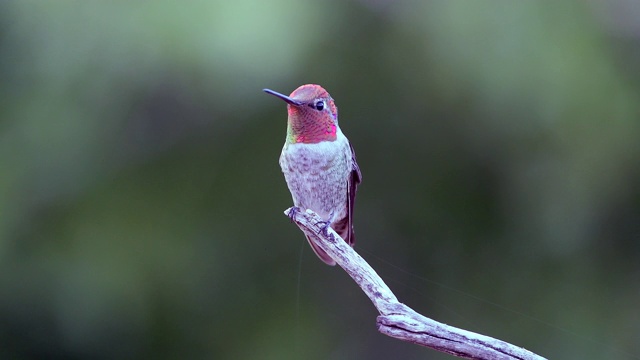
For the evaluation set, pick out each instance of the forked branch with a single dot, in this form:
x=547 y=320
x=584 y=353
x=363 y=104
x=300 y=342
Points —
x=396 y=319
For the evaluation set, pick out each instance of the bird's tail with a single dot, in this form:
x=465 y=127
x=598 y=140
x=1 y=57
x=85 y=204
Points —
x=346 y=233
x=321 y=254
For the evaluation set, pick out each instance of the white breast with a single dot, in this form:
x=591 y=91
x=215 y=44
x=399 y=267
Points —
x=317 y=175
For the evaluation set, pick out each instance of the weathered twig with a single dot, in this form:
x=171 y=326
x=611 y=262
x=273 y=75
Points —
x=396 y=319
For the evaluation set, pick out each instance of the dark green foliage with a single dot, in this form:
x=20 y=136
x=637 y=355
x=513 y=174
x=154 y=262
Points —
x=141 y=199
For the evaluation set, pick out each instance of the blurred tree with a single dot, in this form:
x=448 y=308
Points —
x=498 y=144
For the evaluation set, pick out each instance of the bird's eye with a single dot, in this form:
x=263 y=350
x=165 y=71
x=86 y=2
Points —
x=319 y=105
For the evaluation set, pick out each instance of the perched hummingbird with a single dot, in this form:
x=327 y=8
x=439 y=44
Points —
x=318 y=162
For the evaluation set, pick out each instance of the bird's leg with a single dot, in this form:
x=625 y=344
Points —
x=325 y=227
x=292 y=213
x=325 y=224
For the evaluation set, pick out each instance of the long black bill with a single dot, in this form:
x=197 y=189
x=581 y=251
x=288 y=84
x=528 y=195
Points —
x=283 y=97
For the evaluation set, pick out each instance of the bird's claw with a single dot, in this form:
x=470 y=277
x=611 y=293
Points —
x=324 y=229
x=292 y=213
x=325 y=225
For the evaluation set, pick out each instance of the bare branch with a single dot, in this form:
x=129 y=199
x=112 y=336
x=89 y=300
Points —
x=396 y=319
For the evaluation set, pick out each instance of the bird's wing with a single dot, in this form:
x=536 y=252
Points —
x=355 y=178
x=344 y=226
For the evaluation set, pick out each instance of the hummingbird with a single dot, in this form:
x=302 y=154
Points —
x=318 y=162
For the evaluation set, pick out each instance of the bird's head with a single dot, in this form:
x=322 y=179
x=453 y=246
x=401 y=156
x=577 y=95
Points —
x=313 y=115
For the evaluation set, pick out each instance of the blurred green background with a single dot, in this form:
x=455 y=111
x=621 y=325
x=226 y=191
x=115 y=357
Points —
x=141 y=199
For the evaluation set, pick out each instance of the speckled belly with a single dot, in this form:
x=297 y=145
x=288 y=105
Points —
x=317 y=176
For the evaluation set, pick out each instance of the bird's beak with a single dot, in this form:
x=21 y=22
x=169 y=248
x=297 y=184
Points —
x=283 y=97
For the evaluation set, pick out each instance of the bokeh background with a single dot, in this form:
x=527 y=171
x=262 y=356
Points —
x=141 y=199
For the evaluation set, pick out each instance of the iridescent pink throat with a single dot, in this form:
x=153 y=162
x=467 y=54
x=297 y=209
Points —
x=310 y=127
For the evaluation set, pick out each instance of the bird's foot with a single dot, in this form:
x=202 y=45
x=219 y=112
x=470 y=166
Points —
x=325 y=224
x=324 y=229
x=292 y=213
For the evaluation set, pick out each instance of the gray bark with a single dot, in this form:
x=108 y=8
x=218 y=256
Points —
x=396 y=319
